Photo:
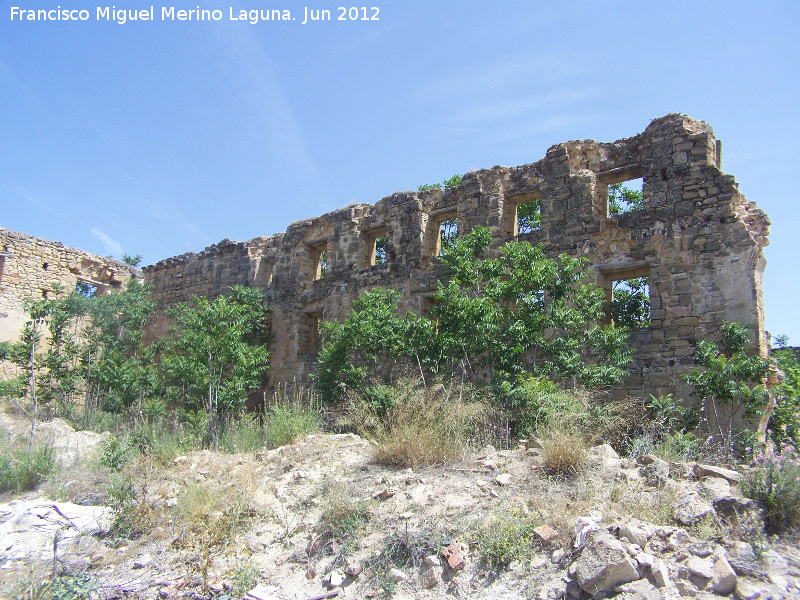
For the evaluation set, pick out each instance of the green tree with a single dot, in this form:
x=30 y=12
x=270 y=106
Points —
x=622 y=199
x=47 y=372
x=521 y=310
x=784 y=425
x=730 y=381
x=504 y=316
x=120 y=371
x=133 y=261
x=217 y=353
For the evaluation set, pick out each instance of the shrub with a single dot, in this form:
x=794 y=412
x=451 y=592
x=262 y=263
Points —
x=785 y=422
x=506 y=538
x=774 y=482
x=117 y=451
x=730 y=381
x=342 y=518
x=20 y=470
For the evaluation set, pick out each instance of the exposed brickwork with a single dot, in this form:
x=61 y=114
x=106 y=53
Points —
x=697 y=238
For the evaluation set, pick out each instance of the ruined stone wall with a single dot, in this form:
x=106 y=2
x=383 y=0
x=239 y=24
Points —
x=34 y=268
x=697 y=238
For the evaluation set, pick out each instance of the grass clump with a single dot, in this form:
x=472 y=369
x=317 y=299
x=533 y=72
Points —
x=415 y=425
x=209 y=518
x=282 y=425
x=342 y=518
x=563 y=452
x=21 y=470
x=774 y=482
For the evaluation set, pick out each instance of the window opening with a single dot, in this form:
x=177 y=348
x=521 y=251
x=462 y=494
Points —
x=448 y=232
x=375 y=243
x=379 y=256
x=323 y=264
x=529 y=217
x=625 y=196
x=83 y=288
x=319 y=256
x=630 y=302
x=264 y=273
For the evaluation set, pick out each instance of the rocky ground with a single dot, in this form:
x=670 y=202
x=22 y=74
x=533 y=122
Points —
x=319 y=519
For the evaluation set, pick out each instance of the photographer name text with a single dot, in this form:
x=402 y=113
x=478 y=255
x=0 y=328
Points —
x=170 y=13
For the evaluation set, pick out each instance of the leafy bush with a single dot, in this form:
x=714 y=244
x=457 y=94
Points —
x=117 y=451
x=496 y=317
x=731 y=381
x=785 y=422
x=453 y=182
x=72 y=587
x=21 y=470
x=506 y=538
x=774 y=481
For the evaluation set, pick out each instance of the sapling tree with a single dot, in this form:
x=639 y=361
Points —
x=217 y=353
x=730 y=381
x=119 y=370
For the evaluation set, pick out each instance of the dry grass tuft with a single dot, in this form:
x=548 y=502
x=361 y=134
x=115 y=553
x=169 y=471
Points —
x=563 y=452
x=421 y=427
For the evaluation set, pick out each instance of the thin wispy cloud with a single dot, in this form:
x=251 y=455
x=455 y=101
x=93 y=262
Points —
x=167 y=212
x=25 y=193
x=514 y=109
x=33 y=198
x=110 y=246
x=252 y=73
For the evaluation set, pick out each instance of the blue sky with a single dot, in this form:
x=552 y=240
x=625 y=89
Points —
x=162 y=137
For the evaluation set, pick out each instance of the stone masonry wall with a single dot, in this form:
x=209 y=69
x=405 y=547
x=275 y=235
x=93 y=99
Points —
x=697 y=238
x=31 y=267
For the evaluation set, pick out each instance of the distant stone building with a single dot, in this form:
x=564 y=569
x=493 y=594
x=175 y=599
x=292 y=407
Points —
x=31 y=267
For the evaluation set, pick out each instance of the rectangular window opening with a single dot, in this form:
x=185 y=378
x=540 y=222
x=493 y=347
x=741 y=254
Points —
x=528 y=217
x=320 y=256
x=264 y=271
x=375 y=243
x=625 y=196
x=522 y=214
x=448 y=233
x=630 y=302
x=379 y=253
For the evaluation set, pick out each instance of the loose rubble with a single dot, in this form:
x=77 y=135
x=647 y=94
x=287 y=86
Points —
x=598 y=552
